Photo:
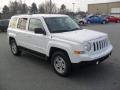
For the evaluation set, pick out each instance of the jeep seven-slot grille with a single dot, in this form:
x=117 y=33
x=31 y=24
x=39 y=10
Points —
x=98 y=45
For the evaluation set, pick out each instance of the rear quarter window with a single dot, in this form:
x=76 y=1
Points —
x=13 y=23
x=22 y=23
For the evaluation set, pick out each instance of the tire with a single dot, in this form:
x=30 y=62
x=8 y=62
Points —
x=14 y=48
x=104 y=22
x=118 y=21
x=81 y=23
x=88 y=22
x=60 y=60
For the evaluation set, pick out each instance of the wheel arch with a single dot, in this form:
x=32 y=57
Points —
x=54 y=49
x=11 y=38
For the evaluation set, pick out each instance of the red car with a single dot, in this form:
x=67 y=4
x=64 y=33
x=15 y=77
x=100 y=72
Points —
x=113 y=19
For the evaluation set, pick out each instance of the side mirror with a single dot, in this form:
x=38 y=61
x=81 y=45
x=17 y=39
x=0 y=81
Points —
x=39 y=31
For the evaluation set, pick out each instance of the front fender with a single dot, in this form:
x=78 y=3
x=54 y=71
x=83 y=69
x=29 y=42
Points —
x=59 y=45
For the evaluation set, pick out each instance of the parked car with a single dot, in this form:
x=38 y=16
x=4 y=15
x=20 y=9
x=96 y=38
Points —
x=113 y=19
x=59 y=39
x=96 y=19
x=81 y=21
x=4 y=25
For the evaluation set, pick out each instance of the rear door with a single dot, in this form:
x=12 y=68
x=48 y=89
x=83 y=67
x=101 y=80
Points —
x=97 y=19
x=92 y=19
x=111 y=19
x=22 y=32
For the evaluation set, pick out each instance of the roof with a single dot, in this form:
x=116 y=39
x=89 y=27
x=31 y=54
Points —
x=105 y=3
x=41 y=15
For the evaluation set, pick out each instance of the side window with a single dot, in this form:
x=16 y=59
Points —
x=22 y=23
x=96 y=17
x=13 y=22
x=34 y=23
x=92 y=17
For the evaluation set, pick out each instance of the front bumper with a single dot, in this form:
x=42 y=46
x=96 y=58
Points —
x=89 y=58
x=97 y=61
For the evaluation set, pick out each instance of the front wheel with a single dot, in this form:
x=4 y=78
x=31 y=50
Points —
x=61 y=63
x=14 y=48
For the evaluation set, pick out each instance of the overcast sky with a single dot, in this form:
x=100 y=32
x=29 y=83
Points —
x=79 y=4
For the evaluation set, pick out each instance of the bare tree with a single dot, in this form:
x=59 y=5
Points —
x=42 y=8
x=45 y=8
x=63 y=9
x=5 y=9
x=24 y=8
x=5 y=12
x=34 y=8
x=15 y=7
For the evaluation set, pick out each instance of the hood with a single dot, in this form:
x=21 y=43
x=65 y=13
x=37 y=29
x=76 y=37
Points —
x=79 y=35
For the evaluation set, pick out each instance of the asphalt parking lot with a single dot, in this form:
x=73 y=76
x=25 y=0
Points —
x=31 y=73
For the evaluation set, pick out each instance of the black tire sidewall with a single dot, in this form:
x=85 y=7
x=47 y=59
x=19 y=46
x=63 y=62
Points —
x=81 y=23
x=118 y=21
x=18 y=52
x=67 y=63
x=104 y=22
x=88 y=22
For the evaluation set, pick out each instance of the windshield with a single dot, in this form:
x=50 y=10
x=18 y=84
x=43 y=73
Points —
x=61 y=24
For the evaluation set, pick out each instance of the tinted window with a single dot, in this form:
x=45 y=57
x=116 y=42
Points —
x=91 y=17
x=96 y=17
x=35 y=23
x=13 y=22
x=22 y=23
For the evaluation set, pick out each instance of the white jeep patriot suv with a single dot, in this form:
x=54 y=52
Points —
x=57 y=38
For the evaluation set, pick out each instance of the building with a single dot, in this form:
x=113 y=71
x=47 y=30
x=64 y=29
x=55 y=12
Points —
x=105 y=8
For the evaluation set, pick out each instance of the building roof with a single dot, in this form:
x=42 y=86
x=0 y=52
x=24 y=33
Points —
x=105 y=3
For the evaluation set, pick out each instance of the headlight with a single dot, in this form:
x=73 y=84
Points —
x=87 y=46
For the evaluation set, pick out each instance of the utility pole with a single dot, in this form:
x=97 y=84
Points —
x=73 y=7
x=50 y=6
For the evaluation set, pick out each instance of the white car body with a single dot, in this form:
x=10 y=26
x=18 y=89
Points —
x=68 y=41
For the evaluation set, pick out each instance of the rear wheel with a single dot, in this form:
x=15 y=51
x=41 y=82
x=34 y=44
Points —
x=81 y=23
x=61 y=63
x=14 y=48
x=88 y=22
x=104 y=22
x=118 y=21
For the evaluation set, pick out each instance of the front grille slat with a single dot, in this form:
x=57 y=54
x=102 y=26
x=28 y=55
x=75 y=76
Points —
x=102 y=43
x=99 y=45
x=94 y=46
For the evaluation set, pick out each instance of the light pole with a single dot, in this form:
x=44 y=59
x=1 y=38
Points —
x=50 y=6
x=73 y=7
